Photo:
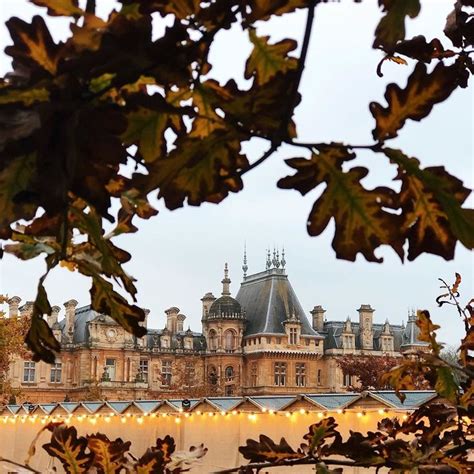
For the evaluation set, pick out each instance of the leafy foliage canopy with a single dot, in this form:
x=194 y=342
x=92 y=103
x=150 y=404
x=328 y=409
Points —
x=74 y=113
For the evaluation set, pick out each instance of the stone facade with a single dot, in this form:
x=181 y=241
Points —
x=258 y=343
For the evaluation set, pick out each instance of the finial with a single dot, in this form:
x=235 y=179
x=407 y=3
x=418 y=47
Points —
x=274 y=257
x=268 y=263
x=245 y=266
x=277 y=262
x=283 y=261
x=226 y=282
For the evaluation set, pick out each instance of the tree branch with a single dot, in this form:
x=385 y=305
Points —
x=278 y=138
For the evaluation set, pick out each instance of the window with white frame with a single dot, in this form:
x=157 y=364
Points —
x=300 y=374
x=279 y=372
x=56 y=372
x=166 y=372
x=29 y=371
x=293 y=335
x=143 y=369
x=347 y=380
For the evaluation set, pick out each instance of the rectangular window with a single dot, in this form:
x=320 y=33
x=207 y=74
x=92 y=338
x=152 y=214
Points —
x=269 y=340
x=143 y=370
x=347 y=382
x=278 y=340
x=29 y=370
x=293 y=335
x=189 y=374
x=166 y=372
x=229 y=390
x=280 y=373
x=307 y=341
x=56 y=372
x=300 y=374
x=110 y=368
x=319 y=377
x=253 y=374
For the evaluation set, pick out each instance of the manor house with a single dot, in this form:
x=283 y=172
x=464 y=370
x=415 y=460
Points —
x=256 y=343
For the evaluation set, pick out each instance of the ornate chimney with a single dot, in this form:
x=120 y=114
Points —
x=318 y=318
x=53 y=317
x=70 y=307
x=13 y=304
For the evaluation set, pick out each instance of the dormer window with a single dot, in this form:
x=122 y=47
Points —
x=293 y=336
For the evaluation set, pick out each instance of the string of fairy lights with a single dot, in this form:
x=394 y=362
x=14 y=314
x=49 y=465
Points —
x=181 y=415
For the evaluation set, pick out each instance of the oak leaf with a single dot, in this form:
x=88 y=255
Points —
x=109 y=456
x=415 y=102
x=431 y=199
x=70 y=449
x=267 y=59
x=105 y=300
x=60 y=7
x=197 y=169
x=261 y=10
x=391 y=27
x=15 y=179
x=418 y=48
x=361 y=222
x=33 y=45
x=266 y=450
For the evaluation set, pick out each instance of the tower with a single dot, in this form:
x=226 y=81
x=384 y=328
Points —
x=366 y=333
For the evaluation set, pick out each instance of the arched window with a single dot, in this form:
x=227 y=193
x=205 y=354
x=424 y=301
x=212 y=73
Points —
x=212 y=340
x=212 y=375
x=229 y=340
x=229 y=373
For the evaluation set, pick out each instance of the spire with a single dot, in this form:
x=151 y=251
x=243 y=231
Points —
x=283 y=261
x=226 y=282
x=245 y=266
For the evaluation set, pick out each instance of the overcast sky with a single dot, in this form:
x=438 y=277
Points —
x=178 y=256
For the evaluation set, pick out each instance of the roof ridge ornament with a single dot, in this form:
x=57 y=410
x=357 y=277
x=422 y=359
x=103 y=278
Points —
x=268 y=263
x=245 y=266
x=283 y=261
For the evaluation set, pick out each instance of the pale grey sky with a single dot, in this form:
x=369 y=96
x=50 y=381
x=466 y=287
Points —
x=179 y=255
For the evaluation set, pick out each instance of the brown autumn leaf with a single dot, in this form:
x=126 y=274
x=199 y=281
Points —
x=197 y=169
x=415 y=102
x=266 y=450
x=418 y=48
x=432 y=218
x=362 y=224
x=109 y=456
x=318 y=434
x=60 y=7
x=70 y=449
x=105 y=300
x=33 y=45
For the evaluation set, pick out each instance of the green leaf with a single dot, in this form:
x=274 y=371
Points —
x=69 y=449
x=60 y=7
x=148 y=120
x=446 y=385
x=415 y=102
x=109 y=456
x=362 y=224
x=24 y=96
x=15 y=178
x=391 y=27
x=431 y=199
x=319 y=433
x=266 y=60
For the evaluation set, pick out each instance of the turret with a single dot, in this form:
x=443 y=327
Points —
x=318 y=318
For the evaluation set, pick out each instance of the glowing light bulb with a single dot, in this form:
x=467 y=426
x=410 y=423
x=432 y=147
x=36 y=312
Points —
x=223 y=413
x=177 y=420
x=123 y=419
x=339 y=411
x=140 y=420
x=234 y=412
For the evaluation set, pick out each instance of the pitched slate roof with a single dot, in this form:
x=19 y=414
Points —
x=268 y=299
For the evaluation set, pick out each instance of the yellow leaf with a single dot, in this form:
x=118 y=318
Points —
x=26 y=96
